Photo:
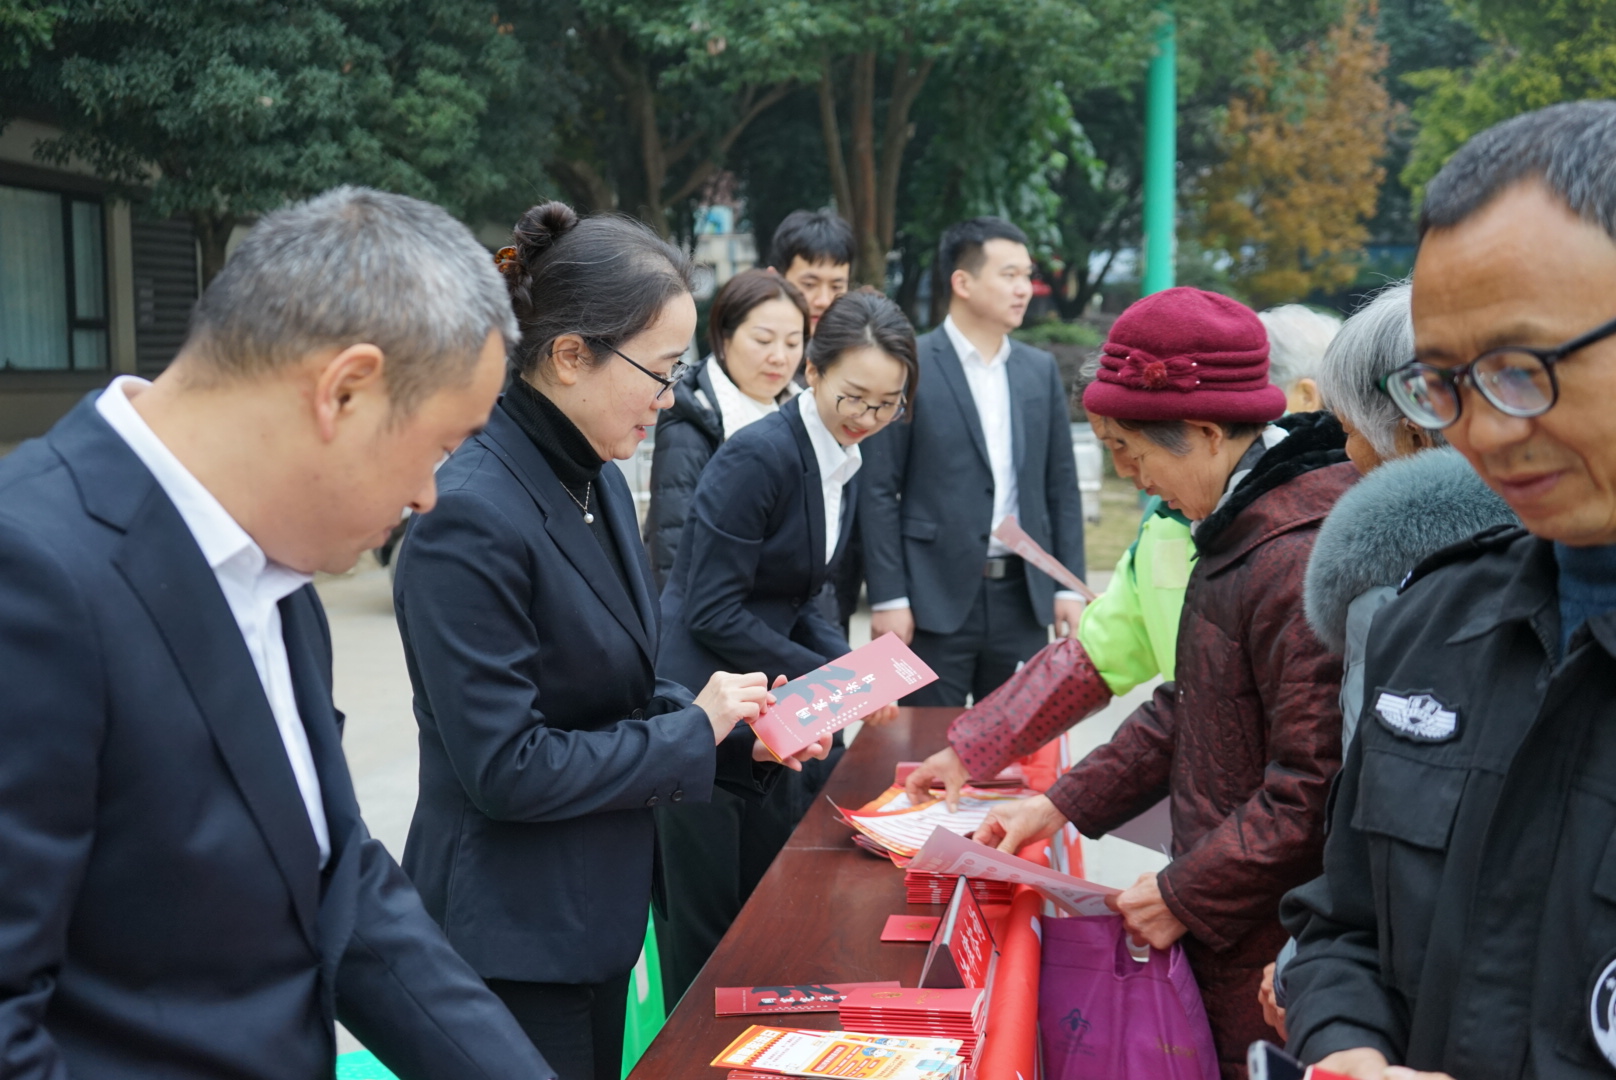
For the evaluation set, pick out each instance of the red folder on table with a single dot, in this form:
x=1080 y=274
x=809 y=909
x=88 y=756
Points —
x=797 y=998
x=849 y=688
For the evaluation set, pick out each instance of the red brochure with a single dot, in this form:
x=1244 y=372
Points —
x=961 y=954
x=799 y=998
x=910 y=927
x=850 y=688
x=1013 y=536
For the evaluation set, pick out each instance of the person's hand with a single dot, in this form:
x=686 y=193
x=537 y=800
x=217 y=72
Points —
x=1369 y=1064
x=1146 y=915
x=882 y=716
x=944 y=765
x=729 y=699
x=900 y=621
x=1013 y=826
x=815 y=750
x=1068 y=613
x=1271 y=1012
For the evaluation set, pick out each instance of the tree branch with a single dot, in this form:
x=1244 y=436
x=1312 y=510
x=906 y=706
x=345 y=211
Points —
x=704 y=171
x=906 y=87
x=841 y=187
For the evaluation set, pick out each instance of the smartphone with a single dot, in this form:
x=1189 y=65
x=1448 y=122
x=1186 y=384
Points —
x=1268 y=1062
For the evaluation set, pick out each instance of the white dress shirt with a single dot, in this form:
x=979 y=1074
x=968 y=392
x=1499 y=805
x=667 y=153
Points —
x=989 y=380
x=837 y=465
x=252 y=585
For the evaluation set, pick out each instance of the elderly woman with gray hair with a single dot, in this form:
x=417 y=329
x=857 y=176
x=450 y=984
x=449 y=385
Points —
x=1421 y=498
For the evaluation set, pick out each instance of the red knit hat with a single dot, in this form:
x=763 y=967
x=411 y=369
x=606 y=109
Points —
x=1186 y=354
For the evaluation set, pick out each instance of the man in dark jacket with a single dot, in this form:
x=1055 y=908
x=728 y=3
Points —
x=1465 y=923
x=989 y=438
x=1245 y=741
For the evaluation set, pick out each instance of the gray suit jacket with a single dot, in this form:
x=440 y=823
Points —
x=926 y=505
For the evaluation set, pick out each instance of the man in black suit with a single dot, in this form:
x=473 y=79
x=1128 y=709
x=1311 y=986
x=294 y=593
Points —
x=189 y=891
x=989 y=437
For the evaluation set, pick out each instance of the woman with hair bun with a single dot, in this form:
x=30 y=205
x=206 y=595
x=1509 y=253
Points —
x=769 y=521
x=531 y=629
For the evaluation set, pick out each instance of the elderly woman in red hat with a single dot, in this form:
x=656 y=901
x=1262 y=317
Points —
x=1245 y=742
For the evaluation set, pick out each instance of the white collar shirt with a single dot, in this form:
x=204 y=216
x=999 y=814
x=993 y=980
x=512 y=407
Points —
x=253 y=586
x=989 y=380
x=837 y=465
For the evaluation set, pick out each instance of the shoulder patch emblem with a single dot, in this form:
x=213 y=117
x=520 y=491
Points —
x=1418 y=716
x=1602 y=1012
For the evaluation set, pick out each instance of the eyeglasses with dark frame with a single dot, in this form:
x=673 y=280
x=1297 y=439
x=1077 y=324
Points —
x=677 y=373
x=854 y=407
x=1515 y=379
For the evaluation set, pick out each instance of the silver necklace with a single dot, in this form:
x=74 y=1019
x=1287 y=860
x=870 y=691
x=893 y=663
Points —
x=589 y=489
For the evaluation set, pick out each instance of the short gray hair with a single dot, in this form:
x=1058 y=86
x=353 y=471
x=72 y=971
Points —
x=1377 y=340
x=1297 y=338
x=1571 y=147
x=356 y=266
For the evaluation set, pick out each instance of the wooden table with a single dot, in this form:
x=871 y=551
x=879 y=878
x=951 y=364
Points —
x=833 y=897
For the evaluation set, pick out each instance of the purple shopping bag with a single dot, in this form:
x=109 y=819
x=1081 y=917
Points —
x=1102 y=1015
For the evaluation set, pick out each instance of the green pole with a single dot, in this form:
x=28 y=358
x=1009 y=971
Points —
x=1161 y=160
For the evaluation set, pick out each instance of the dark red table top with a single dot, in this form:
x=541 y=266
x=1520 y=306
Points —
x=817 y=914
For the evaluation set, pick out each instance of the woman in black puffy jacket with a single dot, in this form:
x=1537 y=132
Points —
x=758 y=328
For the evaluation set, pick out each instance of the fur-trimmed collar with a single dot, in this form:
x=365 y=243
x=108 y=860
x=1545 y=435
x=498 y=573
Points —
x=1315 y=442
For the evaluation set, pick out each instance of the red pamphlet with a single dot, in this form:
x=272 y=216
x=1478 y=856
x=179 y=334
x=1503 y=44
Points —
x=961 y=954
x=799 y=998
x=849 y=688
x=910 y=927
x=1013 y=536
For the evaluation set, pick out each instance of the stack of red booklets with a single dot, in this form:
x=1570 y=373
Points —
x=930 y=1014
x=927 y=888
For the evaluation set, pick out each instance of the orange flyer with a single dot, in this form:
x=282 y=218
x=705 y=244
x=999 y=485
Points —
x=841 y=1055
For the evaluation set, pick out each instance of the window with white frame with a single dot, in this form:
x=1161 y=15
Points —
x=53 y=281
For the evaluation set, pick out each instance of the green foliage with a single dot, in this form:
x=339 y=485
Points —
x=24 y=28
x=221 y=109
x=1056 y=332
x=1539 y=55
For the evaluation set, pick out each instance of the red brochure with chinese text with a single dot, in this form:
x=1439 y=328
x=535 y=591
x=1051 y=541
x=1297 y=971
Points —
x=781 y=998
x=1013 y=536
x=849 y=688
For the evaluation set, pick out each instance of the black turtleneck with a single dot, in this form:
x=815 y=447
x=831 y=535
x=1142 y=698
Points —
x=572 y=458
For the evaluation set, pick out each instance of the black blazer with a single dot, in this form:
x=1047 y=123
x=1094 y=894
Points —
x=752 y=560
x=927 y=503
x=546 y=736
x=165 y=913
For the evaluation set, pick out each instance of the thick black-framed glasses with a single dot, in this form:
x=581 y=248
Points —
x=853 y=407
x=1515 y=379
x=668 y=381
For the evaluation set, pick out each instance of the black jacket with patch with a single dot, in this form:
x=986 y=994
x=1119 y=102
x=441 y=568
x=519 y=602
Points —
x=1466 y=919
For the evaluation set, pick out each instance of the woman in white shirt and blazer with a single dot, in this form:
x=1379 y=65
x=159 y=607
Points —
x=772 y=514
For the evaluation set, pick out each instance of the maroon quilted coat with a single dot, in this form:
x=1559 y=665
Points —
x=1247 y=739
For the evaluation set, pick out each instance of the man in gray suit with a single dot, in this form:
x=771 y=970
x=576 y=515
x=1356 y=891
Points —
x=988 y=438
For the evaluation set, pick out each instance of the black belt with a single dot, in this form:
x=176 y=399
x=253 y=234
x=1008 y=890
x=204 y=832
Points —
x=1005 y=566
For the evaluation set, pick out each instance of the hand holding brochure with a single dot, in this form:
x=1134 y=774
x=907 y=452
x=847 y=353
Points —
x=1013 y=536
x=849 y=688
x=946 y=853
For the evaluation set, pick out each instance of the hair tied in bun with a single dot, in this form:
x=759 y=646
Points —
x=541 y=228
